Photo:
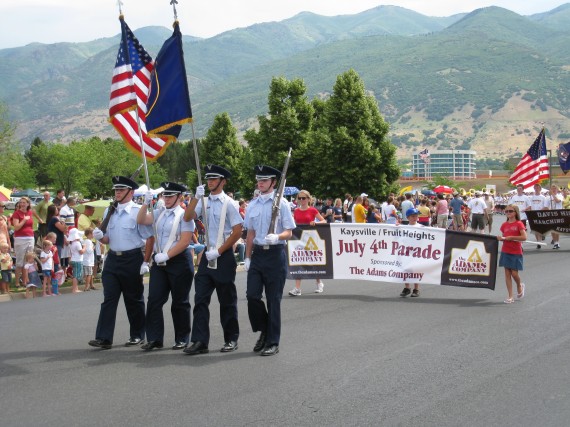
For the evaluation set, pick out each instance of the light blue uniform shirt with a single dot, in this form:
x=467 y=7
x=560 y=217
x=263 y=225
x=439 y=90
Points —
x=214 y=206
x=165 y=224
x=124 y=232
x=258 y=217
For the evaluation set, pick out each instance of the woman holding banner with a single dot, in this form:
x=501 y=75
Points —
x=305 y=214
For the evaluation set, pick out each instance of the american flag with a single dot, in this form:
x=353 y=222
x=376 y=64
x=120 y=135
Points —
x=129 y=94
x=533 y=167
x=424 y=155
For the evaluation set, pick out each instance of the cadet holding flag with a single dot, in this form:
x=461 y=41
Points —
x=266 y=261
x=217 y=270
x=171 y=272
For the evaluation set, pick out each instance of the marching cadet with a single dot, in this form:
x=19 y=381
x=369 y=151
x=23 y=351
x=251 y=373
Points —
x=123 y=266
x=266 y=261
x=172 y=271
x=217 y=269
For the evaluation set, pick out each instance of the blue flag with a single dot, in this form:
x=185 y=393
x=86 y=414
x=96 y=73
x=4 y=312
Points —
x=564 y=157
x=169 y=101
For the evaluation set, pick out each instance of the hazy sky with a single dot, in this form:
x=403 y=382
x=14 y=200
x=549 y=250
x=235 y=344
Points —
x=51 y=21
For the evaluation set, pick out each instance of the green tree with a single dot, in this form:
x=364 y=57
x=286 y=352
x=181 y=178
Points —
x=287 y=125
x=348 y=150
x=177 y=160
x=113 y=158
x=15 y=171
x=36 y=157
x=221 y=147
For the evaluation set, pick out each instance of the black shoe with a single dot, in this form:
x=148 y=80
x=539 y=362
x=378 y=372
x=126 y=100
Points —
x=260 y=344
x=179 y=345
x=134 y=341
x=406 y=292
x=151 y=344
x=538 y=247
x=229 y=346
x=415 y=293
x=196 y=348
x=104 y=344
x=270 y=350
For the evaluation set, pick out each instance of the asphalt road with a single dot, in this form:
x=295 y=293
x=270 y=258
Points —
x=356 y=355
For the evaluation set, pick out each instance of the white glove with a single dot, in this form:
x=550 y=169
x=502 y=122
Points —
x=272 y=239
x=98 y=234
x=148 y=198
x=212 y=254
x=200 y=192
x=246 y=264
x=161 y=258
x=144 y=268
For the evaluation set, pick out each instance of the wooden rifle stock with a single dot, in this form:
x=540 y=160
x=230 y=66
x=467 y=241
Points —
x=279 y=195
x=110 y=211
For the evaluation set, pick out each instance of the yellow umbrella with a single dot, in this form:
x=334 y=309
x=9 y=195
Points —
x=5 y=191
x=99 y=205
x=405 y=190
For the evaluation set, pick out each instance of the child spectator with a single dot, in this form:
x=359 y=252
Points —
x=77 y=251
x=46 y=258
x=31 y=276
x=413 y=215
x=6 y=263
x=99 y=253
x=88 y=260
x=513 y=234
x=52 y=237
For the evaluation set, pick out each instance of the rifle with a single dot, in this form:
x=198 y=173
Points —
x=113 y=205
x=279 y=195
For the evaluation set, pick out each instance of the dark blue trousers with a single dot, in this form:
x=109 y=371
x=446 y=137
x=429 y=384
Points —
x=221 y=280
x=267 y=271
x=121 y=275
x=176 y=279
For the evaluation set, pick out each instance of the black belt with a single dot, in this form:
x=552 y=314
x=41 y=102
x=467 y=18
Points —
x=268 y=247
x=478 y=214
x=124 y=253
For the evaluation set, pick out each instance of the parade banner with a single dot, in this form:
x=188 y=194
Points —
x=557 y=220
x=393 y=253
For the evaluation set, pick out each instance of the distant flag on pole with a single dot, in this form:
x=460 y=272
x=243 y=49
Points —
x=168 y=106
x=424 y=155
x=533 y=167
x=130 y=88
x=564 y=157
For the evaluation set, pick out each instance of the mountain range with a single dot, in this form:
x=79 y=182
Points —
x=487 y=80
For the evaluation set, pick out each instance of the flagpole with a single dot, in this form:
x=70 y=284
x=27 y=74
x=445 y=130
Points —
x=211 y=264
x=141 y=140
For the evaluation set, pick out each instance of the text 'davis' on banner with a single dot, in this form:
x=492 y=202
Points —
x=557 y=220
x=396 y=254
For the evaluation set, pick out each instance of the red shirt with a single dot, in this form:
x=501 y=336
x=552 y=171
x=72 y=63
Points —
x=512 y=229
x=55 y=254
x=306 y=216
x=28 y=229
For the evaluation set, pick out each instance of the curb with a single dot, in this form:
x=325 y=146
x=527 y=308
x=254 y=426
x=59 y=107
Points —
x=13 y=296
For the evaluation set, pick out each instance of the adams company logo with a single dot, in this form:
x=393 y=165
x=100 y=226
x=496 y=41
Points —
x=310 y=249
x=474 y=260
